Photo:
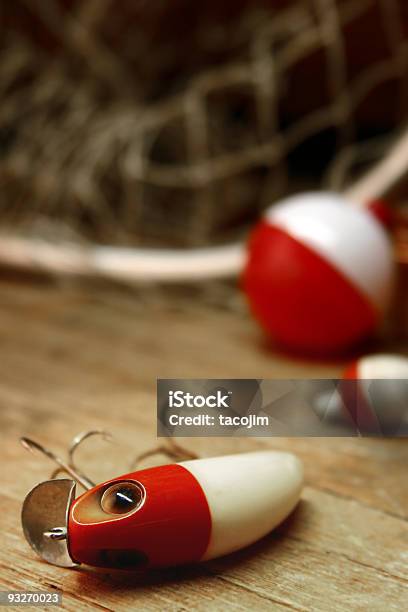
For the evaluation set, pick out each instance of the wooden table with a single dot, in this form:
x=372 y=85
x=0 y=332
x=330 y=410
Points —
x=80 y=358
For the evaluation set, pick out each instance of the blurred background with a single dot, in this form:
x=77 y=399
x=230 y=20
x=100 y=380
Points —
x=174 y=125
x=158 y=124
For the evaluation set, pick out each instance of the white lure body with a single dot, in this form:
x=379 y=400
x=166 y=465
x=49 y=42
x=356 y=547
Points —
x=248 y=495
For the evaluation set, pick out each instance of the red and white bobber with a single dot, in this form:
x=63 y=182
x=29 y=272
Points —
x=374 y=393
x=167 y=515
x=319 y=273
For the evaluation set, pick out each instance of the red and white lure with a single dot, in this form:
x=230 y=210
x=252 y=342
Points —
x=161 y=516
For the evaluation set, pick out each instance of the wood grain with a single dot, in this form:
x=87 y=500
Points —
x=76 y=358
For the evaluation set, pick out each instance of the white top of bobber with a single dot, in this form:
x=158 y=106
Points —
x=348 y=237
x=394 y=367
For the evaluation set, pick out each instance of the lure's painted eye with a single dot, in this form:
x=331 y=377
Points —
x=122 y=498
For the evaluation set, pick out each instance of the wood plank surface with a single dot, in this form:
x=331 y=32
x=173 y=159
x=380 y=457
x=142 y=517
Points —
x=76 y=358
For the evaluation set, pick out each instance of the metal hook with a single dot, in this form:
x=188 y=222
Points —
x=33 y=446
x=78 y=440
x=172 y=450
x=70 y=466
x=84 y=435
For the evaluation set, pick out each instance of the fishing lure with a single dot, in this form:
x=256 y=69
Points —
x=168 y=515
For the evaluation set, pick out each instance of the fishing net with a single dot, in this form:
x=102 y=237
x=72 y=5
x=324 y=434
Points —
x=157 y=123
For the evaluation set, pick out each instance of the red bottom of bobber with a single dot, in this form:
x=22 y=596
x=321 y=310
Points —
x=304 y=302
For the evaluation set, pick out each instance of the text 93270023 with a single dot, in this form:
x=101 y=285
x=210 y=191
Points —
x=30 y=598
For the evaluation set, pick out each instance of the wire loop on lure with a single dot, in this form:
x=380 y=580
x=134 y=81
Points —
x=67 y=466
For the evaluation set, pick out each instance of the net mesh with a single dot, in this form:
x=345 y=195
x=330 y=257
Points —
x=137 y=124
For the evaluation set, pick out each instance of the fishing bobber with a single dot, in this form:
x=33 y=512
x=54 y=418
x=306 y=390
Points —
x=319 y=273
x=374 y=393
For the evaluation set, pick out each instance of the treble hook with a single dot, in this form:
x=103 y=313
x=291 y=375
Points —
x=171 y=449
x=69 y=467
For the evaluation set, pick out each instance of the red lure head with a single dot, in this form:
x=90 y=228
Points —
x=153 y=517
x=147 y=518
